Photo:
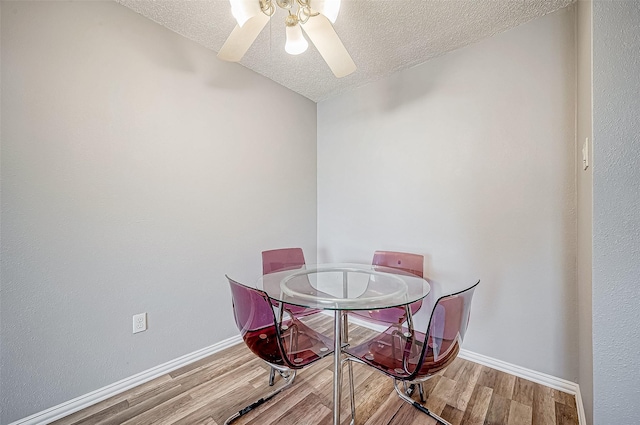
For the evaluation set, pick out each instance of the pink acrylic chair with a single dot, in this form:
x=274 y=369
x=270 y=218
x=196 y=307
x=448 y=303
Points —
x=413 y=357
x=277 y=260
x=403 y=262
x=286 y=346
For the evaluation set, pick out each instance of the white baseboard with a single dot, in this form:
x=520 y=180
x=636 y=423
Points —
x=531 y=375
x=84 y=401
x=582 y=418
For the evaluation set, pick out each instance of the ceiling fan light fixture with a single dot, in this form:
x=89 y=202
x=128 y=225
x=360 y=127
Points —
x=296 y=43
x=314 y=17
x=329 y=8
x=243 y=10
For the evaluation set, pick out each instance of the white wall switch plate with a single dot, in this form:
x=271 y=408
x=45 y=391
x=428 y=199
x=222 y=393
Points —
x=139 y=322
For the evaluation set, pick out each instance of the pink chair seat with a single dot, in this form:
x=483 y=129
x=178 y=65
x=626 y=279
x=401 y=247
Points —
x=399 y=357
x=301 y=344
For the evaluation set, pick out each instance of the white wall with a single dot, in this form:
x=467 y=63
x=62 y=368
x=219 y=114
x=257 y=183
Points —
x=469 y=159
x=584 y=187
x=137 y=169
x=616 y=217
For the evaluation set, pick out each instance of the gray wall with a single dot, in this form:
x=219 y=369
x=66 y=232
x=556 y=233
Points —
x=137 y=169
x=469 y=159
x=584 y=183
x=616 y=217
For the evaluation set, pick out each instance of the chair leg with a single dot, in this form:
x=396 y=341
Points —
x=289 y=380
x=409 y=391
x=417 y=405
x=272 y=376
x=412 y=387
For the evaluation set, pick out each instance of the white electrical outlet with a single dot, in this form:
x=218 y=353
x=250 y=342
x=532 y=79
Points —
x=139 y=322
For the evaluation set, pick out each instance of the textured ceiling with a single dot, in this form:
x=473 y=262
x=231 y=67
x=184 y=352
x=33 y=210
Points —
x=382 y=36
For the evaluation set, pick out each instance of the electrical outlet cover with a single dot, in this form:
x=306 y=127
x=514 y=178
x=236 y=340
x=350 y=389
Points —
x=139 y=322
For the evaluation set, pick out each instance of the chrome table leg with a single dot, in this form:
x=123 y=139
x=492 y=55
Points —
x=337 y=369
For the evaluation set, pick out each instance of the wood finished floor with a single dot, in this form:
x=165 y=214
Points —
x=210 y=390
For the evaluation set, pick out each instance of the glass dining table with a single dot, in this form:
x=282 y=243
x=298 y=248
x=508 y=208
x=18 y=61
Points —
x=341 y=288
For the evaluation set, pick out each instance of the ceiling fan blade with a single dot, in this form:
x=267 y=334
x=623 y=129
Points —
x=242 y=38
x=324 y=37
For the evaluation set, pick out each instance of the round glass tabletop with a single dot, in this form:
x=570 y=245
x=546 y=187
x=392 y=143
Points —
x=344 y=287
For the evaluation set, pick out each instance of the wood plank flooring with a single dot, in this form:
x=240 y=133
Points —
x=212 y=389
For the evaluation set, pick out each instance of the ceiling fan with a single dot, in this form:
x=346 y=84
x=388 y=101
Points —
x=313 y=16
